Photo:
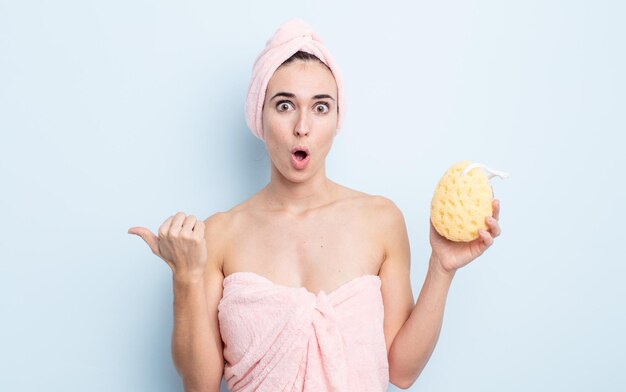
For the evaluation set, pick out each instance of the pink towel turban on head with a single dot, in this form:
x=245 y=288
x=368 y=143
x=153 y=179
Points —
x=293 y=36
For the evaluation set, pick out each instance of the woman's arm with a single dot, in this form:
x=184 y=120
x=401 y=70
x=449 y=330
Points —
x=197 y=349
x=192 y=249
x=412 y=330
x=415 y=341
x=196 y=341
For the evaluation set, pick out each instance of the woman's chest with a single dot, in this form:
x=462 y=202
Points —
x=319 y=252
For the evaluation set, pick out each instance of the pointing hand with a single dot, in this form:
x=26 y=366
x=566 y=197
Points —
x=180 y=243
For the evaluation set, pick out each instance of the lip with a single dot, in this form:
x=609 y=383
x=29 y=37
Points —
x=301 y=148
x=300 y=164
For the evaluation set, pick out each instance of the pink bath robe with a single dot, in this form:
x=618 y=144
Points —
x=280 y=338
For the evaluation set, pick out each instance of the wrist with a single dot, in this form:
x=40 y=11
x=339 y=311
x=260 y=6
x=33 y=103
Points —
x=187 y=280
x=187 y=293
x=435 y=266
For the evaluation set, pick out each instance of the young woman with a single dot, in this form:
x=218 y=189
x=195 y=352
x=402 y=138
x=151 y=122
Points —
x=305 y=286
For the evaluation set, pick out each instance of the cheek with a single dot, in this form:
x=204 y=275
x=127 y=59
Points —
x=326 y=141
x=330 y=126
x=273 y=123
x=274 y=145
x=330 y=123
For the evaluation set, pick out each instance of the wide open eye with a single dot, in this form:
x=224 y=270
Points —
x=284 y=106
x=322 y=108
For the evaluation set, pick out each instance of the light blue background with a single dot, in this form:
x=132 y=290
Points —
x=121 y=113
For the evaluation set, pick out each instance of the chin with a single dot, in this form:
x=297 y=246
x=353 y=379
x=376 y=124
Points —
x=296 y=176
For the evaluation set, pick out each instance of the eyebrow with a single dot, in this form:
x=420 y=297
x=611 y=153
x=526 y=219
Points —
x=290 y=95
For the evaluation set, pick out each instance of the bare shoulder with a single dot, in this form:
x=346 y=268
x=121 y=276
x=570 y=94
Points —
x=376 y=208
x=221 y=227
x=220 y=224
x=216 y=223
x=388 y=219
x=384 y=207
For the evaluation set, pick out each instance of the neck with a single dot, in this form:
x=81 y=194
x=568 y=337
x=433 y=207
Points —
x=298 y=197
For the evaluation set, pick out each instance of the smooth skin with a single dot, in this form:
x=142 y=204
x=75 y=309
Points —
x=304 y=230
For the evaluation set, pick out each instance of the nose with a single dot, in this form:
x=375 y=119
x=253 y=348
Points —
x=302 y=126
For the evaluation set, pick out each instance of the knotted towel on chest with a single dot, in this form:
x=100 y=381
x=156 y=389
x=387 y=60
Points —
x=280 y=338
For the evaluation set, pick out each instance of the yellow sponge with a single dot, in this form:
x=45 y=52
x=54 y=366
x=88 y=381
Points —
x=462 y=200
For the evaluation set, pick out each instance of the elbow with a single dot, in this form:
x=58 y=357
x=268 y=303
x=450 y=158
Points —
x=402 y=383
x=208 y=382
x=206 y=379
x=201 y=387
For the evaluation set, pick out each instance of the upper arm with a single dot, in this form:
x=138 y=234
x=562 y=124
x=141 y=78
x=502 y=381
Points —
x=394 y=273
x=215 y=229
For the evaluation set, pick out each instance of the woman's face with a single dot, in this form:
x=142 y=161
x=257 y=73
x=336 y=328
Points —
x=300 y=118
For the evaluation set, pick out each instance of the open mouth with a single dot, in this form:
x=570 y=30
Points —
x=300 y=154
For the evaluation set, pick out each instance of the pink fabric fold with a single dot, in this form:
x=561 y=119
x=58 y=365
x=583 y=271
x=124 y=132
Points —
x=294 y=35
x=279 y=338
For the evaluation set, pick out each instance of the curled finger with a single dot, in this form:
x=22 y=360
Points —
x=188 y=224
x=199 y=228
x=165 y=227
x=496 y=209
x=494 y=227
x=177 y=224
x=486 y=237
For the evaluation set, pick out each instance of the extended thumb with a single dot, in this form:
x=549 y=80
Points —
x=151 y=239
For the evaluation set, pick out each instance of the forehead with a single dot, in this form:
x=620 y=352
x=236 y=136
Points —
x=303 y=78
